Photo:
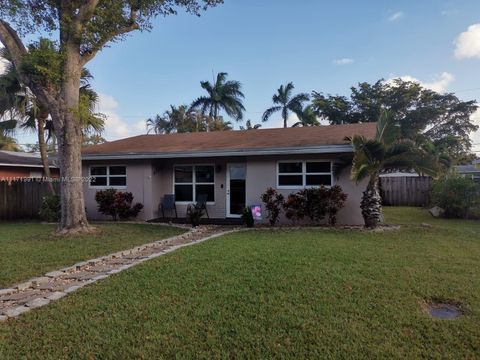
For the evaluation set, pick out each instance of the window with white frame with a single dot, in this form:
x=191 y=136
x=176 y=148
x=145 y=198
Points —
x=300 y=174
x=191 y=181
x=108 y=176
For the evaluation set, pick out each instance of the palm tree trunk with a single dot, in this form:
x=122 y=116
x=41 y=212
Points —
x=371 y=204
x=42 y=145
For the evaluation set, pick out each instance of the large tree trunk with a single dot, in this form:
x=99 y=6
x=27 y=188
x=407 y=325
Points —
x=371 y=205
x=69 y=136
x=42 y=145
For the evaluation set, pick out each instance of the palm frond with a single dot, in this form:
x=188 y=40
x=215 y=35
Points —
x=269 y=112
x=387 y=130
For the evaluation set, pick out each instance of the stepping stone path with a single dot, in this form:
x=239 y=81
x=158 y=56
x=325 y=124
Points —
x=54 y=285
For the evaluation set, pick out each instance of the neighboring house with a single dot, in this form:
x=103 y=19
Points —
x=15 y=165
x=233 y=168
x=472 y=170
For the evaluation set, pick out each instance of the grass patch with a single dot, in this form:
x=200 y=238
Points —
x=282 y=294
x=31 y=249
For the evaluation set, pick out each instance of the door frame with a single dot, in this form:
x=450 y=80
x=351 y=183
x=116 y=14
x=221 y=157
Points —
x=227 y=188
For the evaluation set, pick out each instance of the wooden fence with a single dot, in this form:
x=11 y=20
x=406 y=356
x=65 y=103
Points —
x=21 y=199
x=406 y=190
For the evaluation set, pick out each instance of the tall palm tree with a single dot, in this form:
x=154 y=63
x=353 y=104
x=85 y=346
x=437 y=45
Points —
x=222 y=95
x=250 y=126
x=307 y=117
x=285 y=102
x=383 y=153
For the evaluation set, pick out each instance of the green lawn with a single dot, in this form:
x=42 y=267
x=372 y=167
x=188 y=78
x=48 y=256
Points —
x=282 y=294
x=31 y=249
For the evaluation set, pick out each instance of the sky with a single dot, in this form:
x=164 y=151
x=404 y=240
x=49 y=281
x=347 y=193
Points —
x=320 y=45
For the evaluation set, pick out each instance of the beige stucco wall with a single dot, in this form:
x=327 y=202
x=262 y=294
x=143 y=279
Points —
x=139 y=183
x=262 y=173
x=149 y=180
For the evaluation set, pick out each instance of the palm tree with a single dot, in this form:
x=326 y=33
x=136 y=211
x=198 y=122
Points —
x=20 y=108
x=307 y=117
x=218 y=124
x=250 y=126
x=222 y=95
x=285 y=102
x=184 y=119
x=383 y=153
x=179 y=119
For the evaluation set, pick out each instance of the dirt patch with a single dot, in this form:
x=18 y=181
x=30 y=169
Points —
x=443 y=309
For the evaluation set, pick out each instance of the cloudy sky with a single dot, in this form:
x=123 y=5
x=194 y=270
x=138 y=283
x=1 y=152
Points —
x=325 y=46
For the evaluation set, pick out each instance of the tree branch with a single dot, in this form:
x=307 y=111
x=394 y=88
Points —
x=12 y=42
x=16 y=50
x=87 y=10
x=90 y=54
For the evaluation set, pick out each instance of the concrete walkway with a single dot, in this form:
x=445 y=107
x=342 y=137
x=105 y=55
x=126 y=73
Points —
x=54 y=285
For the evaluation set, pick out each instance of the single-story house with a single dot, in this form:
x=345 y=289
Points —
x=471 y=171
x=232 y=168
x=16 y=165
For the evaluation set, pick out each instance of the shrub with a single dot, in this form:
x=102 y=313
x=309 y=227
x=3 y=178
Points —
x=457 y=195
x=295 y=207
x=247 y=217
x=117 y=204
x=316 y=200
x=315 y=203
x=194 y=215
x=273 y=204
x=336 y=201
x=50 y=210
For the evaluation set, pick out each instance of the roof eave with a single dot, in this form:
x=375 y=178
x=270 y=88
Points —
x=326 y=149
x=26 y=165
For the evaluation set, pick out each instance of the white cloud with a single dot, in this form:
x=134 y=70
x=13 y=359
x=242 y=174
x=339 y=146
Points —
x=449 y=12
x=439 y=84
x=343 y=61
x=396 y=16
x=276 y=121
x=115 y=126
x=467 y=45
x=140 y=126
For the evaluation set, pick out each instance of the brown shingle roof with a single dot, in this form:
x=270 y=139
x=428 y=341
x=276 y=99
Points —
x=223 y=141
x=21 y=159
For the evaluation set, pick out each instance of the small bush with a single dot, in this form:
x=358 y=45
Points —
x=247 y=217
x=295 y=207
x=316 y=200
x=273 y=204
x=457 y=195
x=50 y=210
x=117 y=204
x=194 y=215
x=313 y=203
x=336 y=201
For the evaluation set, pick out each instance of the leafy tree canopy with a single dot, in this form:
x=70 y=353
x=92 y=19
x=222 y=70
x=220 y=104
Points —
x=101 y=20
x=422 y=114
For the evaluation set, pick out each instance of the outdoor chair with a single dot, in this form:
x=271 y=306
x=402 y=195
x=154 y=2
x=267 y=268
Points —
x=168 y=204
x=201 y=203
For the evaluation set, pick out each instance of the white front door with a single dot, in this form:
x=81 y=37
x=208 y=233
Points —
x=236 y=189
